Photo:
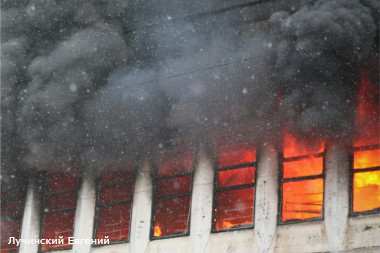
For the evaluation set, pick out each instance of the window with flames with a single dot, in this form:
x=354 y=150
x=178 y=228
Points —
x=172 y=194
x=60 y=191
x=114 y=204
x=12 y=206
x=365 y=176
x=234 y=188
x=302 y=181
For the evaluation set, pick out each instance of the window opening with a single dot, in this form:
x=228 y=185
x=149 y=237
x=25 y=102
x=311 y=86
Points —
x=302 y=181
x=13 y=193
x=172 y=194
x=366 y=180
x=365 y=160
x=234 y=188
x=114 y=204
x=60 y=193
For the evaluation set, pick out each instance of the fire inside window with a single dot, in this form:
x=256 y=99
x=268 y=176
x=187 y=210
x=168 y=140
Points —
x=59 y=202
x=114 y=204
x=234 y=188
x=172 y=195
x=12 y=206
x=365 y=198
x=366 y=179
x=301 y=181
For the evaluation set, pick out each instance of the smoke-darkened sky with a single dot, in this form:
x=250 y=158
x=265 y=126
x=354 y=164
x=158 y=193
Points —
x=90 y=82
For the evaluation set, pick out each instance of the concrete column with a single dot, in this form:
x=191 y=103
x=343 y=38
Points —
x=30 y=228
x=85 y=211
x=201 y=203
x=336 y=195
x=266 y=198
x=141 y=210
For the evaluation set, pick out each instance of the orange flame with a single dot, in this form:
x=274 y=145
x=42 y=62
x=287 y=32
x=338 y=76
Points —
x=302 y=199
x=294 y=147
x=309 y=165
x=157 y=231
x=236 y=154
x=366 y=159
x=366 y=184
x=227 y=224
x=236 y=206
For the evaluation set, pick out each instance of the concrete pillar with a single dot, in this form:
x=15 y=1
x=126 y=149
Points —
x=84 y=214
x=201 y=203
x=266 y=198
x=30 y=227
x=141 y=210
x=336 y=195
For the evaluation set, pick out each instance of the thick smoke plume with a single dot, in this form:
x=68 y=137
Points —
x=85 y=83
x=319 y=50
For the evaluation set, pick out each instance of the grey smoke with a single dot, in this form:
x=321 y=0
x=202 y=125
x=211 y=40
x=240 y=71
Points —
x=121 y=124
x=319 y=51
x=85 y=83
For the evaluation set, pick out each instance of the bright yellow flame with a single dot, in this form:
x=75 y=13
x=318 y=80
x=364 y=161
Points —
x=367 y=159
x=157 y=231
x=366 y=179
x=366 y=191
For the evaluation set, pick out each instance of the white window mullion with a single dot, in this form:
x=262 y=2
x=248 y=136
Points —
x=30 y=227
x=266 y=198
x=141 y=210
x=201 y=202
x=336 y=195
x=85 y=211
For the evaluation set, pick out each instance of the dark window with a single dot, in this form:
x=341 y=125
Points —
x=59 y=202
x=234 y=188
x=114 y=204
x=13 y=194
x=172 y=194
x=302 y=181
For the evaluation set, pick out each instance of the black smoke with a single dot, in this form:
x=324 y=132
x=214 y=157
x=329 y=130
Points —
x=89 y=82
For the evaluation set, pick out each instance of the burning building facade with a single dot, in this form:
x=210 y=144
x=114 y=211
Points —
x=223 y=127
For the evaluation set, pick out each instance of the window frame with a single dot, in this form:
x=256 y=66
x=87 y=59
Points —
x=98 y=205
x=155 y=179
x=233 y=187
x=43 y=196
x=352 y=174
x=17 y=216
x=283 y=180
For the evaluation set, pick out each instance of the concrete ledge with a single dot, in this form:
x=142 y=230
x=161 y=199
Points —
x=301 y=237
x=363 y=232
x=115 y=248
x=170 y=245
x=240 y=241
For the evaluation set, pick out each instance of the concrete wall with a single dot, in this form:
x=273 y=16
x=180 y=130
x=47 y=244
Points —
x=336 y=233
